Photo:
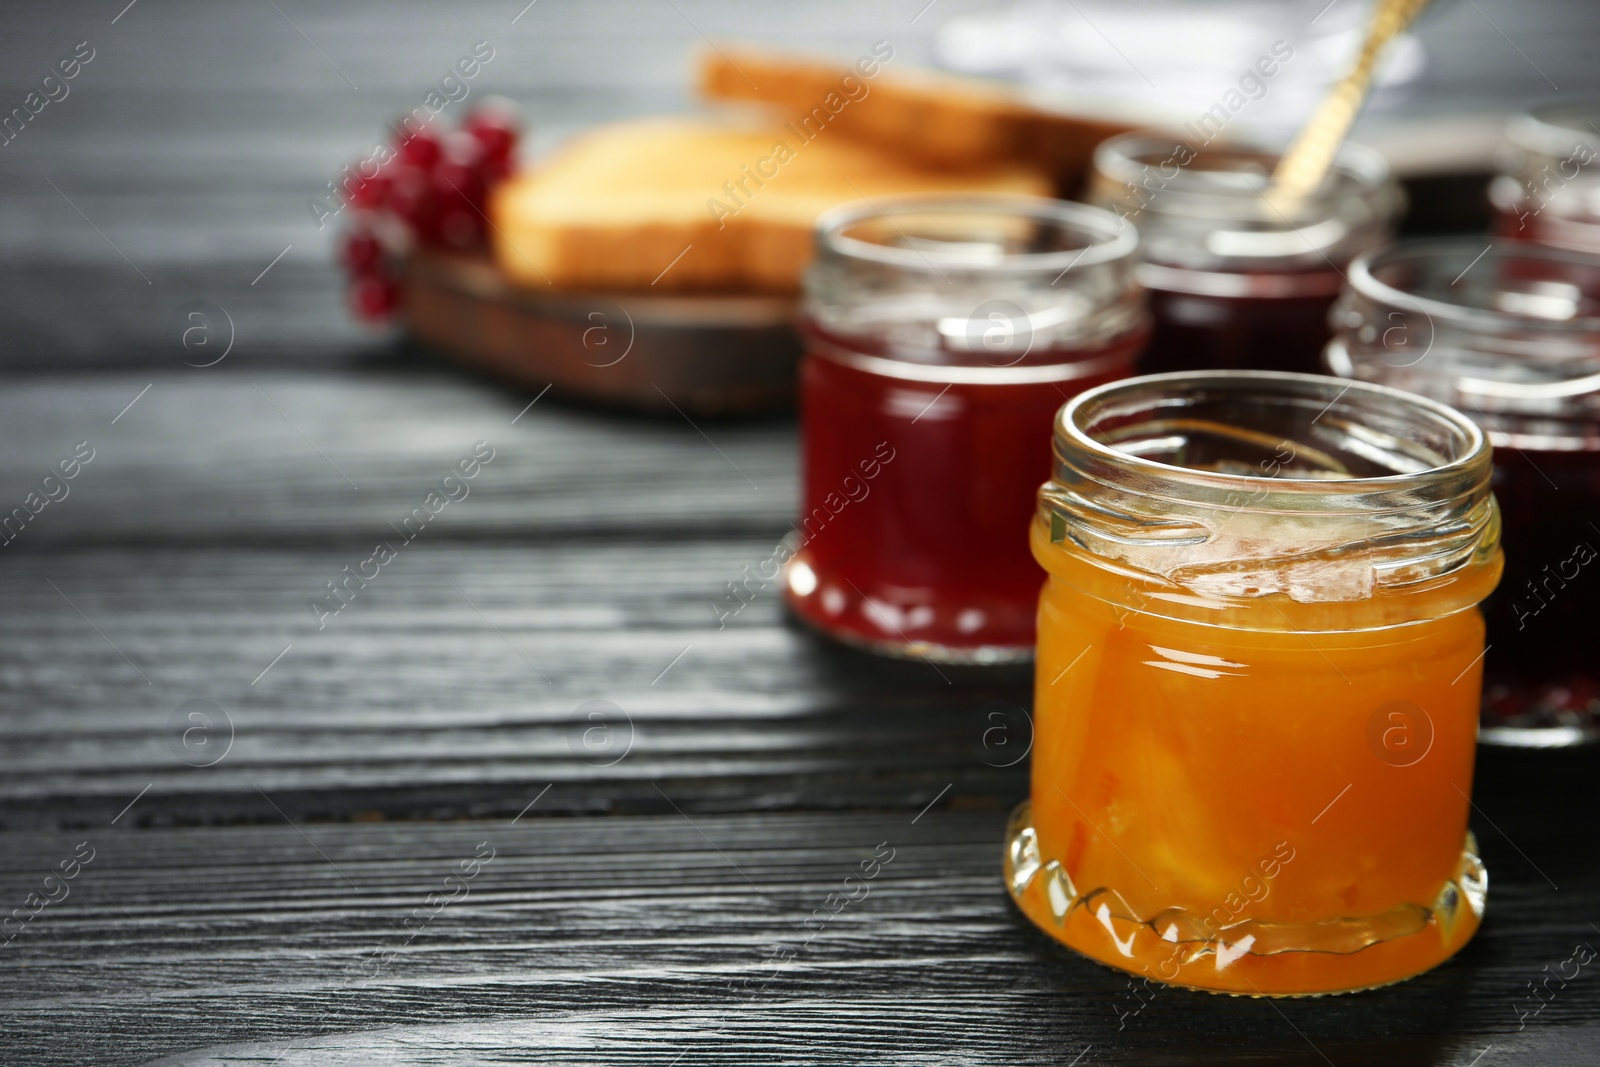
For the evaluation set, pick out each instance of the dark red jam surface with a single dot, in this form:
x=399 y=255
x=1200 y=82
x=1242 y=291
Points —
x=1198 y=332
x=917 y=494
x=1542 y=669
x=1546 y=226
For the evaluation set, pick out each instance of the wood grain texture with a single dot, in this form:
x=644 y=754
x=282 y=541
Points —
x=196 y=138
x=628 y=915
x=213 y=457
x=642 y=939
x=589 y=561
x=460 y=676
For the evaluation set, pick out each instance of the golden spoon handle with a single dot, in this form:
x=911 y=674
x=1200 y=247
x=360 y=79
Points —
x=1302 y=168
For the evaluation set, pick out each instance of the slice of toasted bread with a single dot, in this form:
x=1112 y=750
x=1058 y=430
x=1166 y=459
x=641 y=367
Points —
x=939 y=119
x=701 y=204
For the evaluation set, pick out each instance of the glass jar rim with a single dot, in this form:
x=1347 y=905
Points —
x=1543 y=128
x=1363 y=281
x=1121 y=158
x=1108 y=238
x=1075 y=421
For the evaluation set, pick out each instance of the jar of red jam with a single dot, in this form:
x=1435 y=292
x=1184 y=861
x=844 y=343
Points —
x=1236 y=281
x=1509 y=333
x=1548 y=186
x=941 y=336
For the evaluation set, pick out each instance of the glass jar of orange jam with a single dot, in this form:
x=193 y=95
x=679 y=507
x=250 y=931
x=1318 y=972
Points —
x=1256 y=695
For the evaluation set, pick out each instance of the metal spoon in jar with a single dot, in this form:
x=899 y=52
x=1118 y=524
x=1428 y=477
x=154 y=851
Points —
x=1305 y=164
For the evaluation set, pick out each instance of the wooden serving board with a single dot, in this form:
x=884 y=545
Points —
x=701 y=354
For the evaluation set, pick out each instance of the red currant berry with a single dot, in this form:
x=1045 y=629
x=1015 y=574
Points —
x=374 y=299
x=461 y=147
x=460 y=228
x=417 y=203
x=371 y=194
x=361 y=253
x=459 y=188
x=496 y=171
x=494 y=123
x=419 y=148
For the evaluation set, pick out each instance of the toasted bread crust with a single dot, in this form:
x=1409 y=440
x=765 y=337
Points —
x=941 y=120
x=701 y=205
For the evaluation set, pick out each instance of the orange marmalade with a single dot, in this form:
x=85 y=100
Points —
x=1257 y=682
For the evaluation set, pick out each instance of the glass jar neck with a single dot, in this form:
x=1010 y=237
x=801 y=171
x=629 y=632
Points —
x=1203 y=493
x=1548 y=181
x=981 y=282
x=1508 y=333
x=1199 y=208
x=1548 y=148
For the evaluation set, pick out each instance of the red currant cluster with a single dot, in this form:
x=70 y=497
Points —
x=433 y=191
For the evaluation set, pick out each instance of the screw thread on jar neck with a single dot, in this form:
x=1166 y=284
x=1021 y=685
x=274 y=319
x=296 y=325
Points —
x=1229 y=486
x=1508 y=332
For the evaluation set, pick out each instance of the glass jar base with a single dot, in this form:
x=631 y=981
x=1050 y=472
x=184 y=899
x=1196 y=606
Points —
x=975 y=656
x=1250 y=957
x=1534 y=712
x=959 y=634
x=1538 y=736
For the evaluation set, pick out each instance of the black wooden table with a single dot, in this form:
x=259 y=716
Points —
x=522 y=798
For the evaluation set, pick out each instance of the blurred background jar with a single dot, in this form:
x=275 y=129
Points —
x=1509 y=334
x=1237 y=282
x=1548 y=187
x=941 y=336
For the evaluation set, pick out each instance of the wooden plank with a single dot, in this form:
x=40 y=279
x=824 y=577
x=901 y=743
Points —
x=214 y=457
x=592 y=547
x=641 y=939
x=170 y=188
x=460 y=679
x=201 y=179
x=864 y=1028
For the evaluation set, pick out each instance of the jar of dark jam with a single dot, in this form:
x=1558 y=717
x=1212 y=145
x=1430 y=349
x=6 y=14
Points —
x=941 y=336
x=1508 y=333
x=1548 y=186
x=1236 y=281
